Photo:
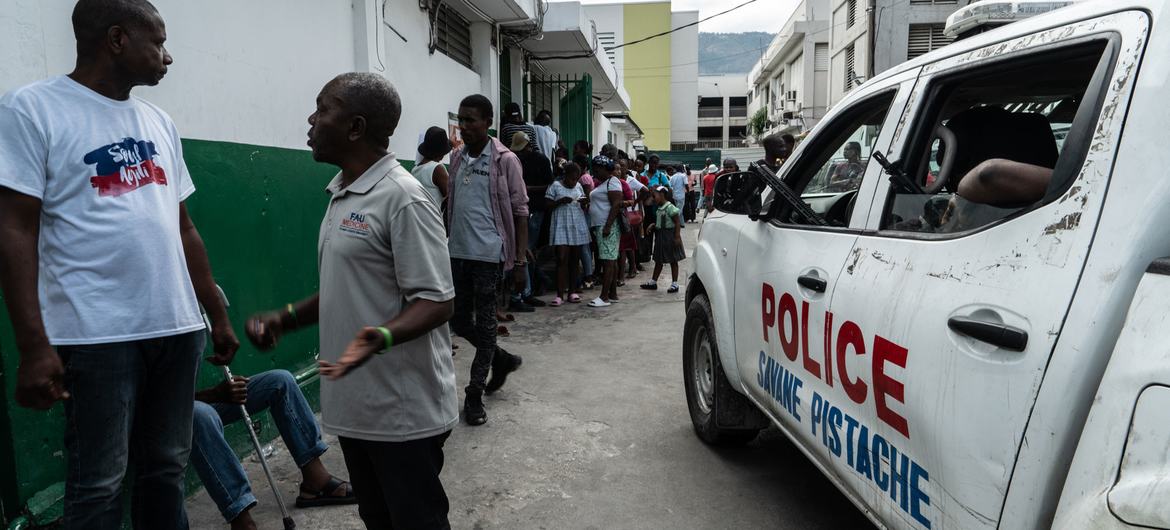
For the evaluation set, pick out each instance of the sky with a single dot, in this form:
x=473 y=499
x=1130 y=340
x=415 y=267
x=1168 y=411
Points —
x=761 y=15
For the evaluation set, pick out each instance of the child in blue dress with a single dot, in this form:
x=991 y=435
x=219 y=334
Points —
x=568 y=229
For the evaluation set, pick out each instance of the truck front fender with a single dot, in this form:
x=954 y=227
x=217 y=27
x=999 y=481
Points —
x=714 y=275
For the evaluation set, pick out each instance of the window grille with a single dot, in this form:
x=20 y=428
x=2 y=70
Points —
x=821 y=58
x=453 y=35
x=925 y=38
x=606 y=40
x=850 y=61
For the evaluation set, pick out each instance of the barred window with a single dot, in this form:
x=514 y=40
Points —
x=607 y=42
x=453 y=35
x=851 y=14
x=850 y=61
x=821 y=57
x=925 y=38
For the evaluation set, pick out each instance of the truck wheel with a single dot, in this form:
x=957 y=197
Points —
x=707 y=388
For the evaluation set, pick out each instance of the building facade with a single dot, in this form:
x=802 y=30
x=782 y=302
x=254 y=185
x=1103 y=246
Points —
x=659 y=74
x=241 y=101
x=723 y=112
x=867 y=37
x=788 y=88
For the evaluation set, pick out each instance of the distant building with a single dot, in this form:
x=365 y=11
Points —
x=867 y=37
x=723 y=112
x=660 y=75
x=789 y=83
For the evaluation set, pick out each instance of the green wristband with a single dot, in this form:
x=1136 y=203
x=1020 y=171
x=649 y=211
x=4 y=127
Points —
x=387 y=337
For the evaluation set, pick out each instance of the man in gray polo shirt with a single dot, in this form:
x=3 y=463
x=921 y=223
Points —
x=385 y=289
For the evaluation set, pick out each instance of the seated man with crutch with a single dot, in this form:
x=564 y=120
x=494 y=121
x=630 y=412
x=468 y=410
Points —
x=220 y=470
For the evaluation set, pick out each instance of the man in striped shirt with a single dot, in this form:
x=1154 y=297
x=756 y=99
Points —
x=513 y=122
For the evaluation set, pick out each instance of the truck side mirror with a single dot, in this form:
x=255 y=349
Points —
x=734 y=192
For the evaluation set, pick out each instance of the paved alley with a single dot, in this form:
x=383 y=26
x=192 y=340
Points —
x=593 y=432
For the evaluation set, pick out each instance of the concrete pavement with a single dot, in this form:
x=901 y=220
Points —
x=593 y=432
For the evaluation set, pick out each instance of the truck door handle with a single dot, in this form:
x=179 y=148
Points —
x=1002 y=335
x=815 y=283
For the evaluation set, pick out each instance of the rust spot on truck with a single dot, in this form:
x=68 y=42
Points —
x=1067 y=222
x=856 y=257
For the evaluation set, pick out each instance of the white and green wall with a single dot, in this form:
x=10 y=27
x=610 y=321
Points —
x=242 y=86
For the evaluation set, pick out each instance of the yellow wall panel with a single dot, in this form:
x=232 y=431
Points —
x=647 y=70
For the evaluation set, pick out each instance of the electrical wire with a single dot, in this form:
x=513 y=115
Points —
x=378 y=38
x=668 y=32
x=700 y=61
x=643 y=39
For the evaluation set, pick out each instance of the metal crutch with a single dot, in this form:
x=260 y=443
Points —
x=289 y=523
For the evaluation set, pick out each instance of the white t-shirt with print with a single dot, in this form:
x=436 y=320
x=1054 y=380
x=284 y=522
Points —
x=110 y=175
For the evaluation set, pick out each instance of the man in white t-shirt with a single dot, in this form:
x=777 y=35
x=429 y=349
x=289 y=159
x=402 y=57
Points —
x=678 y=187
x=103 y=271
x=546 y=136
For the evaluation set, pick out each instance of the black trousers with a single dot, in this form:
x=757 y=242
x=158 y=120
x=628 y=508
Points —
x=397 y=483
x=476 y=285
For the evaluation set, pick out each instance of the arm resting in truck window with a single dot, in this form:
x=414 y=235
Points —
x=1001 y=182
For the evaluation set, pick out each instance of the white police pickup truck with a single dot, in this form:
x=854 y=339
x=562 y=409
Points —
x=951 y=297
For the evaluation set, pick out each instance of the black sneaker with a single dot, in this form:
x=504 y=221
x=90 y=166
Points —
x=473 y=411
x=650 y=286
x=535 y=302
x=519 y=306
x=501 y=370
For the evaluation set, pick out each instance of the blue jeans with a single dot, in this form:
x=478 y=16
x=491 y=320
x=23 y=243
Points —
x=220 y=470
x=586 y=262
x=535 y=220
x=129 y=401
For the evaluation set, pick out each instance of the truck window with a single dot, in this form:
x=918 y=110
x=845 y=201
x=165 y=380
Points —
x=829 y=173
x=992 y=141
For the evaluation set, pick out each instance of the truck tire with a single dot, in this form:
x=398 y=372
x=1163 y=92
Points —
x=708 y=390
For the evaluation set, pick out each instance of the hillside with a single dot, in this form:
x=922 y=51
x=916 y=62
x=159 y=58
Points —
x=731 y=53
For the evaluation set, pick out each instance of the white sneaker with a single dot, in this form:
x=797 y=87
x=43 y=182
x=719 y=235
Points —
x=598 y=302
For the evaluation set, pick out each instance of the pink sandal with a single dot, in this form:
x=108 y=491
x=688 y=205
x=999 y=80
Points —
x=556 y=302
x=574 y=298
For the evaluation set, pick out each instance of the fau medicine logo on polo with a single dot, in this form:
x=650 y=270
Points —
x=125 y=166
x=356 y=224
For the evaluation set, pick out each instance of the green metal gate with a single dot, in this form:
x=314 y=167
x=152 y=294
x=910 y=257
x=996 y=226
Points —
x=577 y=113
x=575 y=106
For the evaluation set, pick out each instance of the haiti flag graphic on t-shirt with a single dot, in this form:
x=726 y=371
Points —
x=124 y=167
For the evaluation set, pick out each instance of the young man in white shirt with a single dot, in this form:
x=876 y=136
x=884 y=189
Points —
x=103 y=271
